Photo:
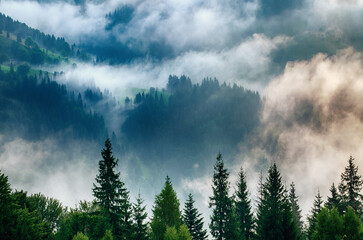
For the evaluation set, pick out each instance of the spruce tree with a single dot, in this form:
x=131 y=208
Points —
x=312 y=219
x=350 y=187
x=295 y=207
x=334 y=199
x=112 y=195
x=275 y=219
x=222 y=218
x=244 y=214
x=140 y=229
x=7 y=209
x=194 y=220
x=166 y=212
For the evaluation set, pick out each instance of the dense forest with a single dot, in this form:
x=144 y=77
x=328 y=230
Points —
x=32 y=106
x=112 y=215
x=188 y=121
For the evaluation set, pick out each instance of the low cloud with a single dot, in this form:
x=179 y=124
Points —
x=311 y=123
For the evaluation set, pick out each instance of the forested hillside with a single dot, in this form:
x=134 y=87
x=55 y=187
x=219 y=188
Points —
x=188 y=121
x=34 y=107
x=20 y=43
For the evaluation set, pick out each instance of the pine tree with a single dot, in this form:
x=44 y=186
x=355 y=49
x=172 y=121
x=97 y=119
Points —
x=295 y=207
x=222 y=218
x=312 y=219
x=350 y=187
x=166 y=212
x=111 y=194
x=194 y=220
x=334 y=199
x=140 y=229
x=244 y=214
x=275 y=219
x=7 y=209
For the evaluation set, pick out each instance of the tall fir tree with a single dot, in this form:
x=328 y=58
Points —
x=296 y=208
x=275 y=219
x=140 y=227
x=245 y=219
x=334 y=199
x=222 y=218
x=166 y=212
x=312 y=219
x=112 y=195
x=194 y=220
x=350 y=187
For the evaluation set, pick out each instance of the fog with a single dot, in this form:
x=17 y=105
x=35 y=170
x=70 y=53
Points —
x=312 y=115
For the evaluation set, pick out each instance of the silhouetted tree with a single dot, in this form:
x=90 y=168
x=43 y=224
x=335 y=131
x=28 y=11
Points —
x=112 y=195
x=222 y=218
x=244 y=214
x=194 y=220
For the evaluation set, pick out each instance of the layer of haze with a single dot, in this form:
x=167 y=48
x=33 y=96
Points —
x=312 y=116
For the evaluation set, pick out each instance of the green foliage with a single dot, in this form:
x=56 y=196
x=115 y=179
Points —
x=352 y=225
x=245 y=219
x=194 y=220
x=166 y=212
x=50 y=209
x=108 y=235
x=111 y=194
x=170 y=234
x=330 y=225
x=87 y=218
x=80 y=236
x=28 y=225
x=275 y=219
x=222 y=219
x=183 y=233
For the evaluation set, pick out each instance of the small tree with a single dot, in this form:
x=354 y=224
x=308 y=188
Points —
x=166 y=211
x=334 y=199
x=350 y=187
x=140 y=228
x=312 y=219
x=80 y=236
x=295 y=207
x=108 y=235
x=194 y=220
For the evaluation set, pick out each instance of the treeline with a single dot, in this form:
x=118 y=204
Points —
x=189 y=121
x=113 y=216
x=32 y=106
x=49 y=42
